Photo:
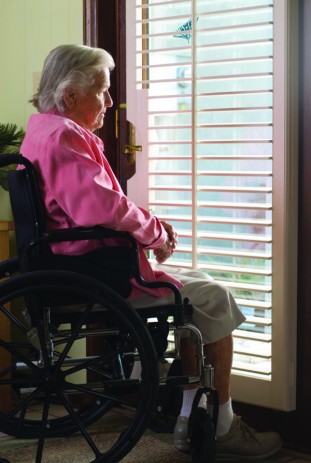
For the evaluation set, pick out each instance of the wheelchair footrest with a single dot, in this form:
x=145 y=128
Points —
x=178 y=380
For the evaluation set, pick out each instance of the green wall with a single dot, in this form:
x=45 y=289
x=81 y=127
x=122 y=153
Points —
x=29 y=29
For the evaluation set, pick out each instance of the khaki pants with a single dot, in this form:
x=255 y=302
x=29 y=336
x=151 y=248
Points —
x=215 y=312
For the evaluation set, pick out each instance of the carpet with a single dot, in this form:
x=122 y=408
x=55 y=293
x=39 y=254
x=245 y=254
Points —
x=152 y=448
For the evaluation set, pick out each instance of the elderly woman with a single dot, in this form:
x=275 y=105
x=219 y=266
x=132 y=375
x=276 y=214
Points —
x=79 y=189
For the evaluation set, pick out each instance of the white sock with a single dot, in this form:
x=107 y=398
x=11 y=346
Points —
x=225 y=412
x=225 y=418
x=188 y=397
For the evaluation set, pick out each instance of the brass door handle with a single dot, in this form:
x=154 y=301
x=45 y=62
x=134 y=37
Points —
x=130 y=149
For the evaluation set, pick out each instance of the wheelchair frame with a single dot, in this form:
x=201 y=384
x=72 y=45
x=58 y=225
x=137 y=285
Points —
x=49 y=307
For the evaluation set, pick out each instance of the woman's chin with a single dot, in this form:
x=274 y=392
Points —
x=100 y=123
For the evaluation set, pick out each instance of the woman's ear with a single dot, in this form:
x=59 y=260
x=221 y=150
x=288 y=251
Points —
x=70 y=99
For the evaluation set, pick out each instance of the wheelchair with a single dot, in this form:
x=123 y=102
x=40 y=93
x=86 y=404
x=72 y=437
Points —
x=74 y=342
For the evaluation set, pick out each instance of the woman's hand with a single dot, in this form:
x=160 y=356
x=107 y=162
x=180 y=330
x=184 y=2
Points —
x=163 y=253
x=172 y=235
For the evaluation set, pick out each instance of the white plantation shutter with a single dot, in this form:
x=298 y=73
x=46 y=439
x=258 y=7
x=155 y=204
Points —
x=208 y=93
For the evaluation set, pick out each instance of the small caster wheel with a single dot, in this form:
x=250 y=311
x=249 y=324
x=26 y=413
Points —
x=201 y=436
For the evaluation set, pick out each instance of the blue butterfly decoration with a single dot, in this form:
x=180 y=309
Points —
x=185 y=27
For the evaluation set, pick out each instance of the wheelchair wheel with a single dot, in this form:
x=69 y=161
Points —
x=68 y=371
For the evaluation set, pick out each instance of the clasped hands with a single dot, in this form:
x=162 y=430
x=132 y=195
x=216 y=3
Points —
x=163 y=253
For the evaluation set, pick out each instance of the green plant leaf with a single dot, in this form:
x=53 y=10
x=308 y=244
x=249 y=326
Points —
x=10 y=137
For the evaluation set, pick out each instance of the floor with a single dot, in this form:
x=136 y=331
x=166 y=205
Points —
x=287 y=456
x=284 y=456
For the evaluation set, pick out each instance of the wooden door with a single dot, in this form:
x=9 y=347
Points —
x=105 y=27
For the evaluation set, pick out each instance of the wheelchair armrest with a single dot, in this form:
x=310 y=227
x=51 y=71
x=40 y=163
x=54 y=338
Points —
x=8 y=159
x=76 y=234
x=80 y=233
x=9 y=266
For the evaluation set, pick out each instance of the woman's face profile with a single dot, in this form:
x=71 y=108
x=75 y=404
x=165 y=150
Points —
x=88 y=108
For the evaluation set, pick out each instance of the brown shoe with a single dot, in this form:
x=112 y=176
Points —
x=244 y=443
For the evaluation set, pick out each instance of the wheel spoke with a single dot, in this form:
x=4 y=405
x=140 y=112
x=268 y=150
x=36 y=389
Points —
x=79 y=424
x=45 y=414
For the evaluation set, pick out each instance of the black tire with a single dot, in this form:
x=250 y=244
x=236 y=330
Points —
x=201 y=436
x=86 y=388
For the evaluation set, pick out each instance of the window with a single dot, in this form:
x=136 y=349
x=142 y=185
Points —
x=209 y=93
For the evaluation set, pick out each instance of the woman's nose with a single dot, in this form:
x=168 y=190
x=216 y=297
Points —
x=108 y=100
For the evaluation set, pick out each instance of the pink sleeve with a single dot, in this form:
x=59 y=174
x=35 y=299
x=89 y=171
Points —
x=81 y=181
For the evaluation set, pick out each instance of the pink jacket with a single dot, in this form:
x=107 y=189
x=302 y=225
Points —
x=79 y=189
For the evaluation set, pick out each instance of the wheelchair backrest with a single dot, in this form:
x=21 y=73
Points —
x=26 y=204
x=27 y=207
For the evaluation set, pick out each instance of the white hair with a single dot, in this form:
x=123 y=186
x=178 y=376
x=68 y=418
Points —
x=67 y=66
